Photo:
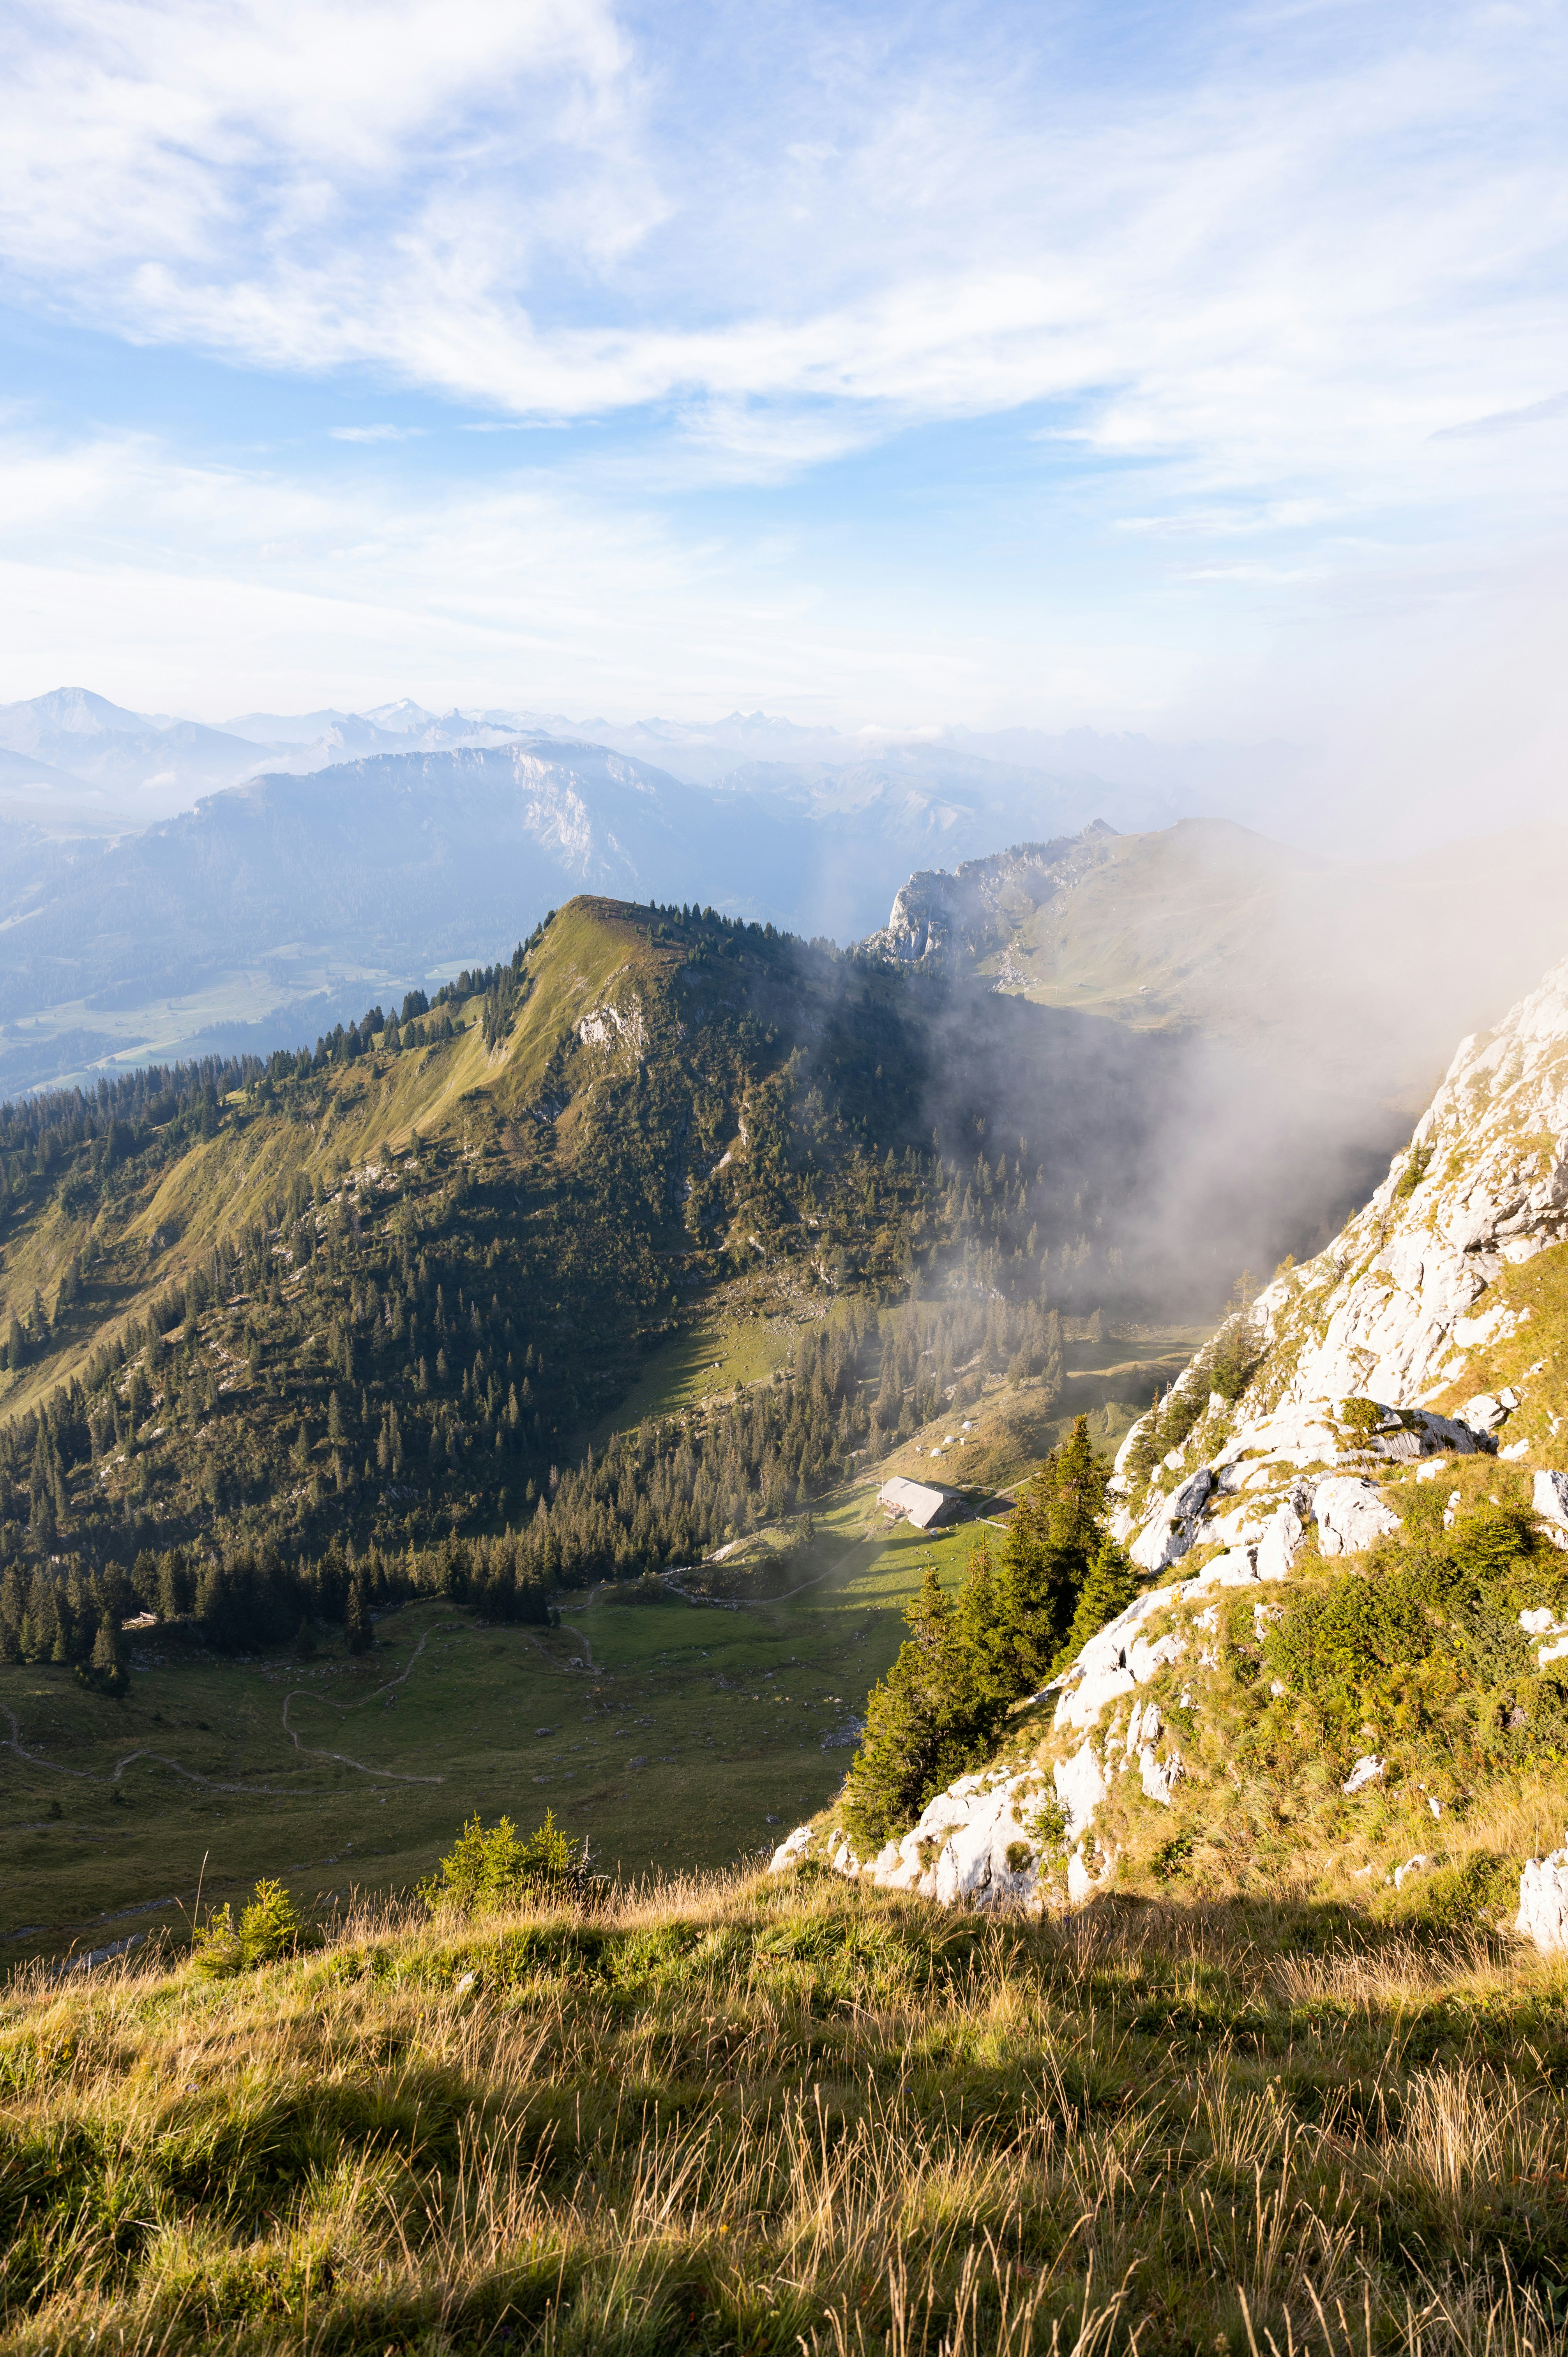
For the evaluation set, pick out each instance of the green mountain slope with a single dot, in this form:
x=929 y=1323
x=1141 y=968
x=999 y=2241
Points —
x=382 y=1292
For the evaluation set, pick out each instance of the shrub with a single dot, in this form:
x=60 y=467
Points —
x=268 y=1928
x=1417 y=1163
x=1425 y=1626
x=1237 y=1351
x=1483 y=1889
x=489 y=1868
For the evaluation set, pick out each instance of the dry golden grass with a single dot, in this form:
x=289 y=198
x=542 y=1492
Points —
x=737 y=2114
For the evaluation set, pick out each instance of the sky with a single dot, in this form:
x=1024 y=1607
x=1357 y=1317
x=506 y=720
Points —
x=1174 y=368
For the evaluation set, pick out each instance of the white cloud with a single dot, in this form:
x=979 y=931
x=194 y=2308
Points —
x=375 y=433
x=1335 y=241
x=205 y=590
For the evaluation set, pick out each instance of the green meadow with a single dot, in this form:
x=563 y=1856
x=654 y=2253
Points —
x=668 y=1734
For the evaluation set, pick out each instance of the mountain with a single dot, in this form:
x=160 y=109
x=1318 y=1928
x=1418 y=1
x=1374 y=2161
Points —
x=1359 y=975
x=143 y=768
x=1348 y=1656
x=263 y=904
x=670 y=1099
x=379 y=868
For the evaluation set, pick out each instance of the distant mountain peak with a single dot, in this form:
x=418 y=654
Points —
x=76 y=711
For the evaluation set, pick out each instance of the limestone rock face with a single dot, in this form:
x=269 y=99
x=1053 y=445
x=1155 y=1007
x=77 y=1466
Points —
x=1544 y=1902
x=1549 y=1497
x=1166 y=1537
x=974 y=1842
x=1350 y=1516
x=941 y=918
x=1485 y=1183
x=1356 y=1344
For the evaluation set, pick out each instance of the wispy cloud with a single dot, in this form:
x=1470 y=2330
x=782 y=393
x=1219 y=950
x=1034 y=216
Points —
x=934 y=342
x=1265 y=253
x=1504 y=421
x=375 y=433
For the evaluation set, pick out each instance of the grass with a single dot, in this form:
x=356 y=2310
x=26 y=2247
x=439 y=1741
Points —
x=748 y=1331
x=792 y=2119
x=697 y=1738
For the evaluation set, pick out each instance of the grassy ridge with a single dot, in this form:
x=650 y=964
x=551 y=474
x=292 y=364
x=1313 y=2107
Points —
x=739 y=2115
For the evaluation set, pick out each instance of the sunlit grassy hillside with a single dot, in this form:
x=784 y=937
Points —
x=775 y=2116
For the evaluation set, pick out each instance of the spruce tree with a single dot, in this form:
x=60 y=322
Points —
x=108 y=1669
x=918 y=1730
x=1052 y=1539
x=1110 y=1587
x=357 y=1630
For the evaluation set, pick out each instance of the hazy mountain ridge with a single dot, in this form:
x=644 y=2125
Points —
x=301 y=880
x=1359 y=972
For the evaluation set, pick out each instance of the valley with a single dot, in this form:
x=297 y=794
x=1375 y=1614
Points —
x=673 y=1734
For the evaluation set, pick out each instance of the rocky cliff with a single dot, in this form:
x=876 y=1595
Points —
x=1422 y=1347
x=958 y=918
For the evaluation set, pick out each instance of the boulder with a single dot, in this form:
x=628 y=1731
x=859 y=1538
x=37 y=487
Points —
x=1549 y=1500
x=1487 y=1411
x=1350 y=1515
x=1160 y=1777
x=975 y=1865
x=791 y=1850
x=1169 y=1533
x=1081 y=1705
x=1278 y=1546
x=1367 y=1770
x=1080 y=1788
x=1544 y=1902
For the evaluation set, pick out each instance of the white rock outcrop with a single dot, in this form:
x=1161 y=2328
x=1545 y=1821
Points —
x=1369 y=1769
x=791 y=1850
x=973 y=1842
x=1350 y=1516
x=1544 y=1902
x=1356 y=1344
x=1169 y=1534
x=1549 y=1498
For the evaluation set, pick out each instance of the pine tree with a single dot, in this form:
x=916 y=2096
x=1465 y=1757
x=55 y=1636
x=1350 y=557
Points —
x=357 y=1631
x=1053 y=1538
x=1110 y=1587
x=919 y=1732
x=108 y=1668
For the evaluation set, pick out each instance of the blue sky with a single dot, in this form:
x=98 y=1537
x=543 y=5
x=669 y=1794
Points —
x=1197 y=369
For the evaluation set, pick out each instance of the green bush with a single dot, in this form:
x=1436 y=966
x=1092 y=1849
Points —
x=490 y=1867
x=1417 y=1163
x=1482 y=1890
x=268 y=1928
x=1426 y=1629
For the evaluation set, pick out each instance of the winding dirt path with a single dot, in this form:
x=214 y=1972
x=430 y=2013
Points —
x=588 y=1661
x=344 y=1758
x=35 y=1759
x=211 y=1783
